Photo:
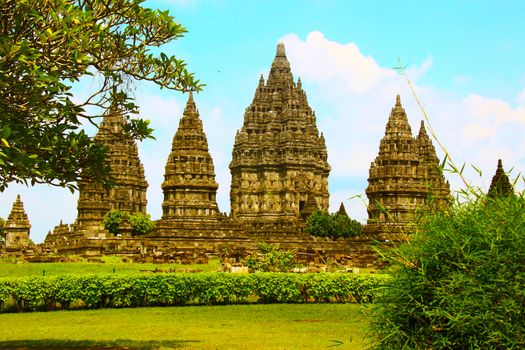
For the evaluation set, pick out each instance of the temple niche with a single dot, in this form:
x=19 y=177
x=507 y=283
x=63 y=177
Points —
x=189 y=183
x=279 y=159
x=128 y=194
x=17 y=227
x=404 y=176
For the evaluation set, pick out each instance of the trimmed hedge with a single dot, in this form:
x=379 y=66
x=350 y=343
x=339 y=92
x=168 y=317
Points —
x=114 y=291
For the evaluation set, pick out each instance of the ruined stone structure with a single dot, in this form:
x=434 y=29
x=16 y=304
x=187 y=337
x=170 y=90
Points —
x=279 y=160
x=17 y=227
x=189 y=181
x=279 y=174
x=500 y=185
x=129 y=193
x=404 y=176
x=59 y=238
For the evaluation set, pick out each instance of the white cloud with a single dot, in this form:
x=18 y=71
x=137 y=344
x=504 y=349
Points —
x=495 y=110
x=352 y=95
x=461 y=79
x=416 y=72
x=343 y=65
x=521 y=98
x=475 y=131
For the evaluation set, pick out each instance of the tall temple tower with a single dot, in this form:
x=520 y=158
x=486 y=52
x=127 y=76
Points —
x=189 y=181
x=128 y=194
x=17 y=227
x=279 y=159
x=405 y=174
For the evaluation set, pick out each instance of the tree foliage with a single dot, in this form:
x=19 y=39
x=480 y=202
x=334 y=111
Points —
x=460 y=282
x=113 y=219
x=48 y=46
x=141 y=223
x=2 y=225
x=324 y=224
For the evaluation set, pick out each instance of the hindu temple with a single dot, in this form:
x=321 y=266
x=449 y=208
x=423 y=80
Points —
x=189 y=183
x=404 y=177
x=129 y=193
x=279 y=171
x=279 y=160
x=17 y=227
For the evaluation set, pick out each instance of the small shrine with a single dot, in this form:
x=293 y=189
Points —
x=17 y=227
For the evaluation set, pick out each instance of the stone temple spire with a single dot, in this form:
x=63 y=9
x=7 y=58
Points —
x=129 y=192
x=342 y=210
x=398 y=144
x=189 y=180
x=438 y=187
x=401 y=178
x=427 y=150
x=398 y=126
x=500 y=185
x=17 y=227
x=280 y=71
x=279 y=160
x=191 y=107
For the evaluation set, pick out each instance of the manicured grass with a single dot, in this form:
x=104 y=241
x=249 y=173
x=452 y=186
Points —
x=277 y=326
x=17 y=268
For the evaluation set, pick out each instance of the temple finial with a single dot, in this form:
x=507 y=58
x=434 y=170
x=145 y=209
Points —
x=280 y=50
x=190 y=105
x=422 y=130
x=280 y=67
x=398 y=100
x=500 y=164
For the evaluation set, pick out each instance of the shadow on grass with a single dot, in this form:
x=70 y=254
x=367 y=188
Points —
x=119 y=344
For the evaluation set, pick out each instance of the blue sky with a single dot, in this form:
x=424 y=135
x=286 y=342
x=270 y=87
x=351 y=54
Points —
x=465 y=58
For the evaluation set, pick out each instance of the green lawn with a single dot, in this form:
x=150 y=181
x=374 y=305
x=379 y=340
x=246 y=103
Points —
x=277 y=326
x=110 y=265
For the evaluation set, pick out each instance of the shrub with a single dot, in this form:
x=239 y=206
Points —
x=323 y=224
x=112 y=220
x=141 y=223
x=320 y=224
x=271 y=259
x=114 y=291
x=345 y=226
x=460 y=282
